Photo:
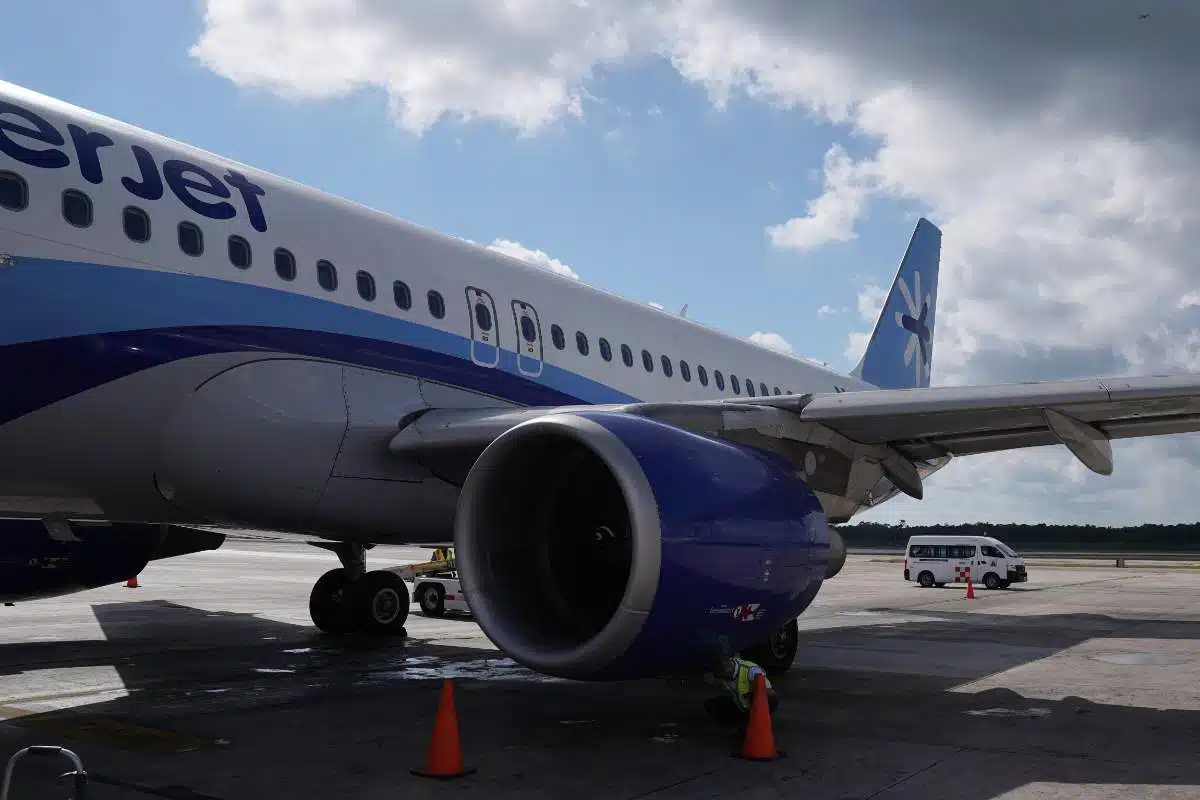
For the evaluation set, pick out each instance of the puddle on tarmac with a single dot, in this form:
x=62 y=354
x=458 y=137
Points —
x=1141 y=659
x=1010 y=712
x=485 y=669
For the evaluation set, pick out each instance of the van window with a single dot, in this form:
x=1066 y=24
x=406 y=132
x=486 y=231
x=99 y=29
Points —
x=927 y=551
x=991 y=552
x=962 y=551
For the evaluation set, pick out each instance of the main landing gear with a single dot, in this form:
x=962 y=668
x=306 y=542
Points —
x=350 y=599
x=777 y=653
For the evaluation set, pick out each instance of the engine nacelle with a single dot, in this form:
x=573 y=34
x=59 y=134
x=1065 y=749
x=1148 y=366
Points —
x=837 y=554
x=39 y=561
x=601 y=545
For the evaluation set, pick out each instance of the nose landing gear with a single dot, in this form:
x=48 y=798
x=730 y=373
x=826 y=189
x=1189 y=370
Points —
x=349 y=599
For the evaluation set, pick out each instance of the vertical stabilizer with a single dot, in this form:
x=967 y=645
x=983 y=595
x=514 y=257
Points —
x=900 y=352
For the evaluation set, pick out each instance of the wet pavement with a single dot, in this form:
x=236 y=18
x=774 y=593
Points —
x=208 y=682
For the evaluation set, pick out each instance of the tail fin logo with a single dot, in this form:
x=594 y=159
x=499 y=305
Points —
x=914 y=323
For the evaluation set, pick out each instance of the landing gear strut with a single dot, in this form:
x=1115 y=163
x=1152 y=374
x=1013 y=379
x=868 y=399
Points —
x=350 y=599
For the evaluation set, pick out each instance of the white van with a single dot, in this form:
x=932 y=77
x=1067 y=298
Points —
x=938 y=560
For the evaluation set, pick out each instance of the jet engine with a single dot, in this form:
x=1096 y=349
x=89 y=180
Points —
x=602 y=545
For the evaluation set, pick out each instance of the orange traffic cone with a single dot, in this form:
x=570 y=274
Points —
x=131 y=583
x=970 y=590
x=444 y=757
x=759 y=744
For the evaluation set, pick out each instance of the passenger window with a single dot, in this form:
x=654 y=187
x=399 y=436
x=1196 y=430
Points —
x=719 y=378
x=136 y=223
x=991 y=552
x=702 y=374
x=528 y=329
x=327 y=275
x=285 y=264
x=402 y=295
x=239 y=252
x=483 y=317
x=647 y=361
x=437 y=305
x=558 y=337
x=77 y=208
x=14 y=191
x=666 y=365
x=191 y=239
x=581 y=342
x=627 y=355
x=605 y=349
x=366 y=285
x=750 y=387
x=736 y=384
x=685 y=371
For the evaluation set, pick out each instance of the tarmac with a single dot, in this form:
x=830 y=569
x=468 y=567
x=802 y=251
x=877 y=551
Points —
x=208 y=682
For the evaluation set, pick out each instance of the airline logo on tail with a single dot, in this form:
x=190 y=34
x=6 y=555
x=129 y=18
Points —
x=914 y=323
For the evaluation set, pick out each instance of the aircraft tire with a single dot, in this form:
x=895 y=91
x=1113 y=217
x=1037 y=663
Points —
x=378 y=603
x=326 y=602
x=777 y=653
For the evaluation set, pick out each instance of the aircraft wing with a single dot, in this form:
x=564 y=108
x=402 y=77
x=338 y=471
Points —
x=915 y=424
x=964 y=420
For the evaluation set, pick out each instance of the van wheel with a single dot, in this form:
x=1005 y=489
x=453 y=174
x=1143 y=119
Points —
x=991 y=580
x=925 y=579
x=432 y=599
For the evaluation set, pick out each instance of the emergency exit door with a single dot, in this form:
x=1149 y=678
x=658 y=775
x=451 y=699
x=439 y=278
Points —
x=485 y=340
x=529 y=338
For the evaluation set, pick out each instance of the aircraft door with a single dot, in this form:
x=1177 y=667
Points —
x=529 y=338
x=485 y=339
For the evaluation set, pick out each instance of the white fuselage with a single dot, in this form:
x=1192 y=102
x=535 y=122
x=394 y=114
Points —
x=127 y=361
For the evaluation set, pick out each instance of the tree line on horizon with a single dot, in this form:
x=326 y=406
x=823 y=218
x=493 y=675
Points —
x=1164 y=538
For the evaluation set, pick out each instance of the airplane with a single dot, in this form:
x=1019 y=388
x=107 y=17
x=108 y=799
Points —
x=191 y=343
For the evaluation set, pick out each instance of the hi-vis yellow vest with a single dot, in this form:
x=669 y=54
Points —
x=743 y=682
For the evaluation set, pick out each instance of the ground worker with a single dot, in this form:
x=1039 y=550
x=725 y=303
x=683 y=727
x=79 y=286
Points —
x=737 y=676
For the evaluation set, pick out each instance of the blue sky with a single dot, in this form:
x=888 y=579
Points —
x=1063 y=168
x=654 y=194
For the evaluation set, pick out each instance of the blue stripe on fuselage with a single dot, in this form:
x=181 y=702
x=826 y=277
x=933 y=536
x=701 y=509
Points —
x=66 y=327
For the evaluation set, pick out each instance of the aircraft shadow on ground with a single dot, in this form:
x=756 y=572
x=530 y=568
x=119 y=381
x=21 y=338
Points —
x=842 y=689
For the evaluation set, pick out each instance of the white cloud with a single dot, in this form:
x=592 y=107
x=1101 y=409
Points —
x=1061 y=157
x=827 y=309
x=536 y=257
x=832 y=215
x=772 y=340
